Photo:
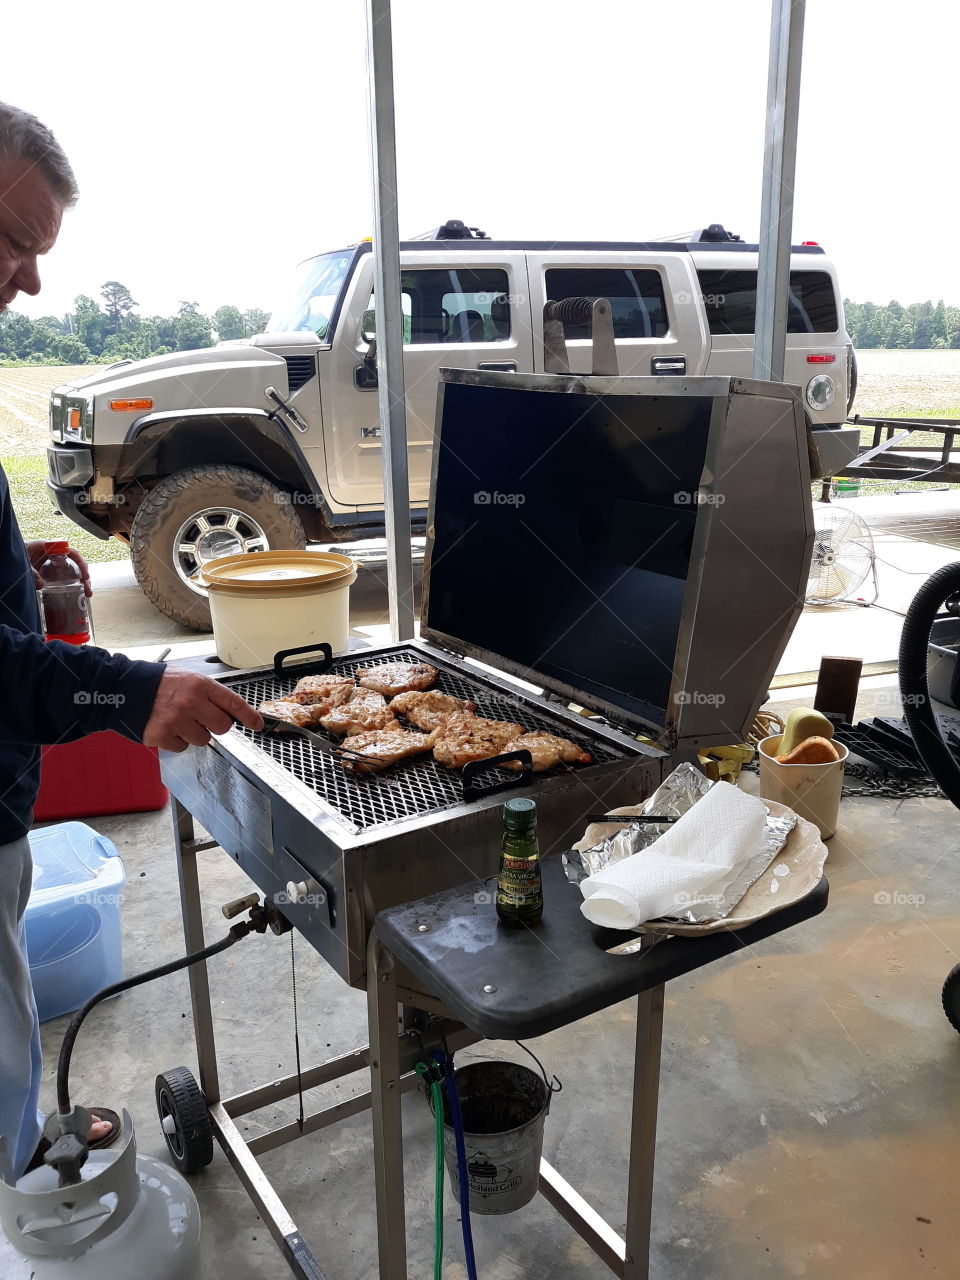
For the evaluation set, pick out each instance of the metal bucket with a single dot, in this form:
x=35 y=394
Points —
x=504 y=1107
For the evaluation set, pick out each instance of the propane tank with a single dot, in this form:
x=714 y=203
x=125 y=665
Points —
x=129 y=1218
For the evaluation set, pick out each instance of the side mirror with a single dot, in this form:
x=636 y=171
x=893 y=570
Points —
x=368 y=326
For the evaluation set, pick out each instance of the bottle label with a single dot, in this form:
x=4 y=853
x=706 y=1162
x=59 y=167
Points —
x=518 y=883
x=65 y=610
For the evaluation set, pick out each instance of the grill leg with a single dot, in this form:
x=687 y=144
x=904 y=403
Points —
x=190 y=906
x=643 y=1133
x=385 y=1106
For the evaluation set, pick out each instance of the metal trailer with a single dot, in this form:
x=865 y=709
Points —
x=889 y=458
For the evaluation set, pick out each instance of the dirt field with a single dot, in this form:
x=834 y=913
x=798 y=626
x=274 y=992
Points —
x=24 y=397
x=909 y=384
x=904 y=383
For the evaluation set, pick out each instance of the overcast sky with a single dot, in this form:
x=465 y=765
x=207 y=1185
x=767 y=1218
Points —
x=216 y=144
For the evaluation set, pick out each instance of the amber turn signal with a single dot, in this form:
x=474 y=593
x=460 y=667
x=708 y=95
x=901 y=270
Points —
x=128 y=406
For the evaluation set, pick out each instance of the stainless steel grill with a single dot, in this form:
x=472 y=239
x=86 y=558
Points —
x=416 y=786
x=615 y=584
x=290 y=813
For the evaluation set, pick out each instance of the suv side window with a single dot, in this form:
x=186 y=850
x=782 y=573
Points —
x=730 y=301
x=635 y=296
x=454 y=304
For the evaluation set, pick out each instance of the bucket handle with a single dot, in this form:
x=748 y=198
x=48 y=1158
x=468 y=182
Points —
x=553 y=1086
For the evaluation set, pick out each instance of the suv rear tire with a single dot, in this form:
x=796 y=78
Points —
x=215 y=510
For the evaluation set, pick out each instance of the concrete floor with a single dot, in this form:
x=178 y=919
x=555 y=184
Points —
x=809 y=1105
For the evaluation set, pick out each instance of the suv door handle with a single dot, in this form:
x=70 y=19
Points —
x=675 y=365
x=499 y=366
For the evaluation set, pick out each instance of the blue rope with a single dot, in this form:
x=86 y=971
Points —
x=446 y=1066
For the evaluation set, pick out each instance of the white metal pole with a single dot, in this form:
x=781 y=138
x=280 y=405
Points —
x=779 y=171
x=386 y=260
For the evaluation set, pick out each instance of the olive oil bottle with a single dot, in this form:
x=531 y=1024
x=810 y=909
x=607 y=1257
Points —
x=519 y=887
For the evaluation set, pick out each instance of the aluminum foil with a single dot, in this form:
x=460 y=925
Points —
x=674 y=797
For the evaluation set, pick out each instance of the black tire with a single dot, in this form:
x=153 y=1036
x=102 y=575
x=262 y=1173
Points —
x=951 y=997
x=852 y=385
x=267 y=522
x=178 y=1096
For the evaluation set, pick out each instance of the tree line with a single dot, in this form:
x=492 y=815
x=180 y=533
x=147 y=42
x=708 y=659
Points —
x=920 y=325
x=101 y=332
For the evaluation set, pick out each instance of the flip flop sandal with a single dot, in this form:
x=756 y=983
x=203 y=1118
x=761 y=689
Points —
x=112 y=1119
x=97 y=1113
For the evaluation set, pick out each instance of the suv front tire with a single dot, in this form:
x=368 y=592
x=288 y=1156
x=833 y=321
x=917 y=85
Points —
x=197 y=515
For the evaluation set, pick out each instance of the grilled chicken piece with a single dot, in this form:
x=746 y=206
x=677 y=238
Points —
x=322 y=691
x=428 y=709
x=546 y=750
x=397 y=677
x=296 y=714
x=365 y=710
x=371 y=752
x=464 y=737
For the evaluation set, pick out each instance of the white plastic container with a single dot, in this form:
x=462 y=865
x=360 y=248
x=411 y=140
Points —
x=266 y=601
x=810 y=790
x=72 y=920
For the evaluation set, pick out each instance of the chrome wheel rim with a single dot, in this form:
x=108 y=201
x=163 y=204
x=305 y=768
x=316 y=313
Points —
x=211 y=533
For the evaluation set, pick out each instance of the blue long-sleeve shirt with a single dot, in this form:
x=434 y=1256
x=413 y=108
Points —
x=52 y=692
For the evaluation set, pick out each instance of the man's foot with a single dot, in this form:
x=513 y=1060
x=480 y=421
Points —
x=98 y=1130
x=104 y=1130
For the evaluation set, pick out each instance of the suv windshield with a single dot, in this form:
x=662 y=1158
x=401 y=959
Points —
x=309 y=304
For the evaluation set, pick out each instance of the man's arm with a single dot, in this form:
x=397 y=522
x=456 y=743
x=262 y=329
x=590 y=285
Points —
x=55 y=692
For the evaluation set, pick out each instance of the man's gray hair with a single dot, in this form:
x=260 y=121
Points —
x=23 y=137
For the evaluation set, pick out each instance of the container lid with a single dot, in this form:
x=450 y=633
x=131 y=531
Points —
x=57 y=546
x=267 y=573
x=71 y=856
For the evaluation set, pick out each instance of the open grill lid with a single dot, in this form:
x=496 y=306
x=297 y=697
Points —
x=635 y=545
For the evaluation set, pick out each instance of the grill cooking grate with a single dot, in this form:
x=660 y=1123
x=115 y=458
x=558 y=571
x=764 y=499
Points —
x=414 y=786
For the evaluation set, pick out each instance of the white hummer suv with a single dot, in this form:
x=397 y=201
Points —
x=273 y=441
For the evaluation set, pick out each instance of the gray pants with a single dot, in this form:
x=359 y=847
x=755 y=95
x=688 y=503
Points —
x=20 y=1065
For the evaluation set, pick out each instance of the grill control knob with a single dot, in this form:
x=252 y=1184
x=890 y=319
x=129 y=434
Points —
x=297 y=890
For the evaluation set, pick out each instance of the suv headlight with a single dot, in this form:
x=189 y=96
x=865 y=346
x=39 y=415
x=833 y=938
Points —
x=821 y=392
x=78 y=420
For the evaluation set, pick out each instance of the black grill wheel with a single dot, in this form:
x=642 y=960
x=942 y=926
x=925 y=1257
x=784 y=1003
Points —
x=179 y=1096
x=951 y=997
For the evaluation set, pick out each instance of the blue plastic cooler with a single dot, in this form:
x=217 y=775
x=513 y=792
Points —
x=73 y=916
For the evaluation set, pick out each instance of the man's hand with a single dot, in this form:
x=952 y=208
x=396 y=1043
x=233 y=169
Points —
x=189 y=708
x=37 y=553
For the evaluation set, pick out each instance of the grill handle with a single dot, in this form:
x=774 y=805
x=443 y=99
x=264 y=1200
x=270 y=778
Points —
x=304 y=668
x=473 y=790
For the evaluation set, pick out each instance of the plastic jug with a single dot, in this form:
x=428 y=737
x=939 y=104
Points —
x=63 y=602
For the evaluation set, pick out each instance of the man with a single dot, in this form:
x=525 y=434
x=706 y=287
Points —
x=48 y=691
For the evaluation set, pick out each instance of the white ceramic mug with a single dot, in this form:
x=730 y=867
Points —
x=811 y=790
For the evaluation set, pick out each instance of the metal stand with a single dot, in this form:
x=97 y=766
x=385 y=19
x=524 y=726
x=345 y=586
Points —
x=630 y=1257
x=390 y=1058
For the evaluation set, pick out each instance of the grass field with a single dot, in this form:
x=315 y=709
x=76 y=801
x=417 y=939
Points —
x=38 y=519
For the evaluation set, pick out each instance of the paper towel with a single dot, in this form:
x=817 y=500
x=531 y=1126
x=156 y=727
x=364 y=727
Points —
x=696 y=858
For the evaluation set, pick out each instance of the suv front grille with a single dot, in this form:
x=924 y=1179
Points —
x=300 y=369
